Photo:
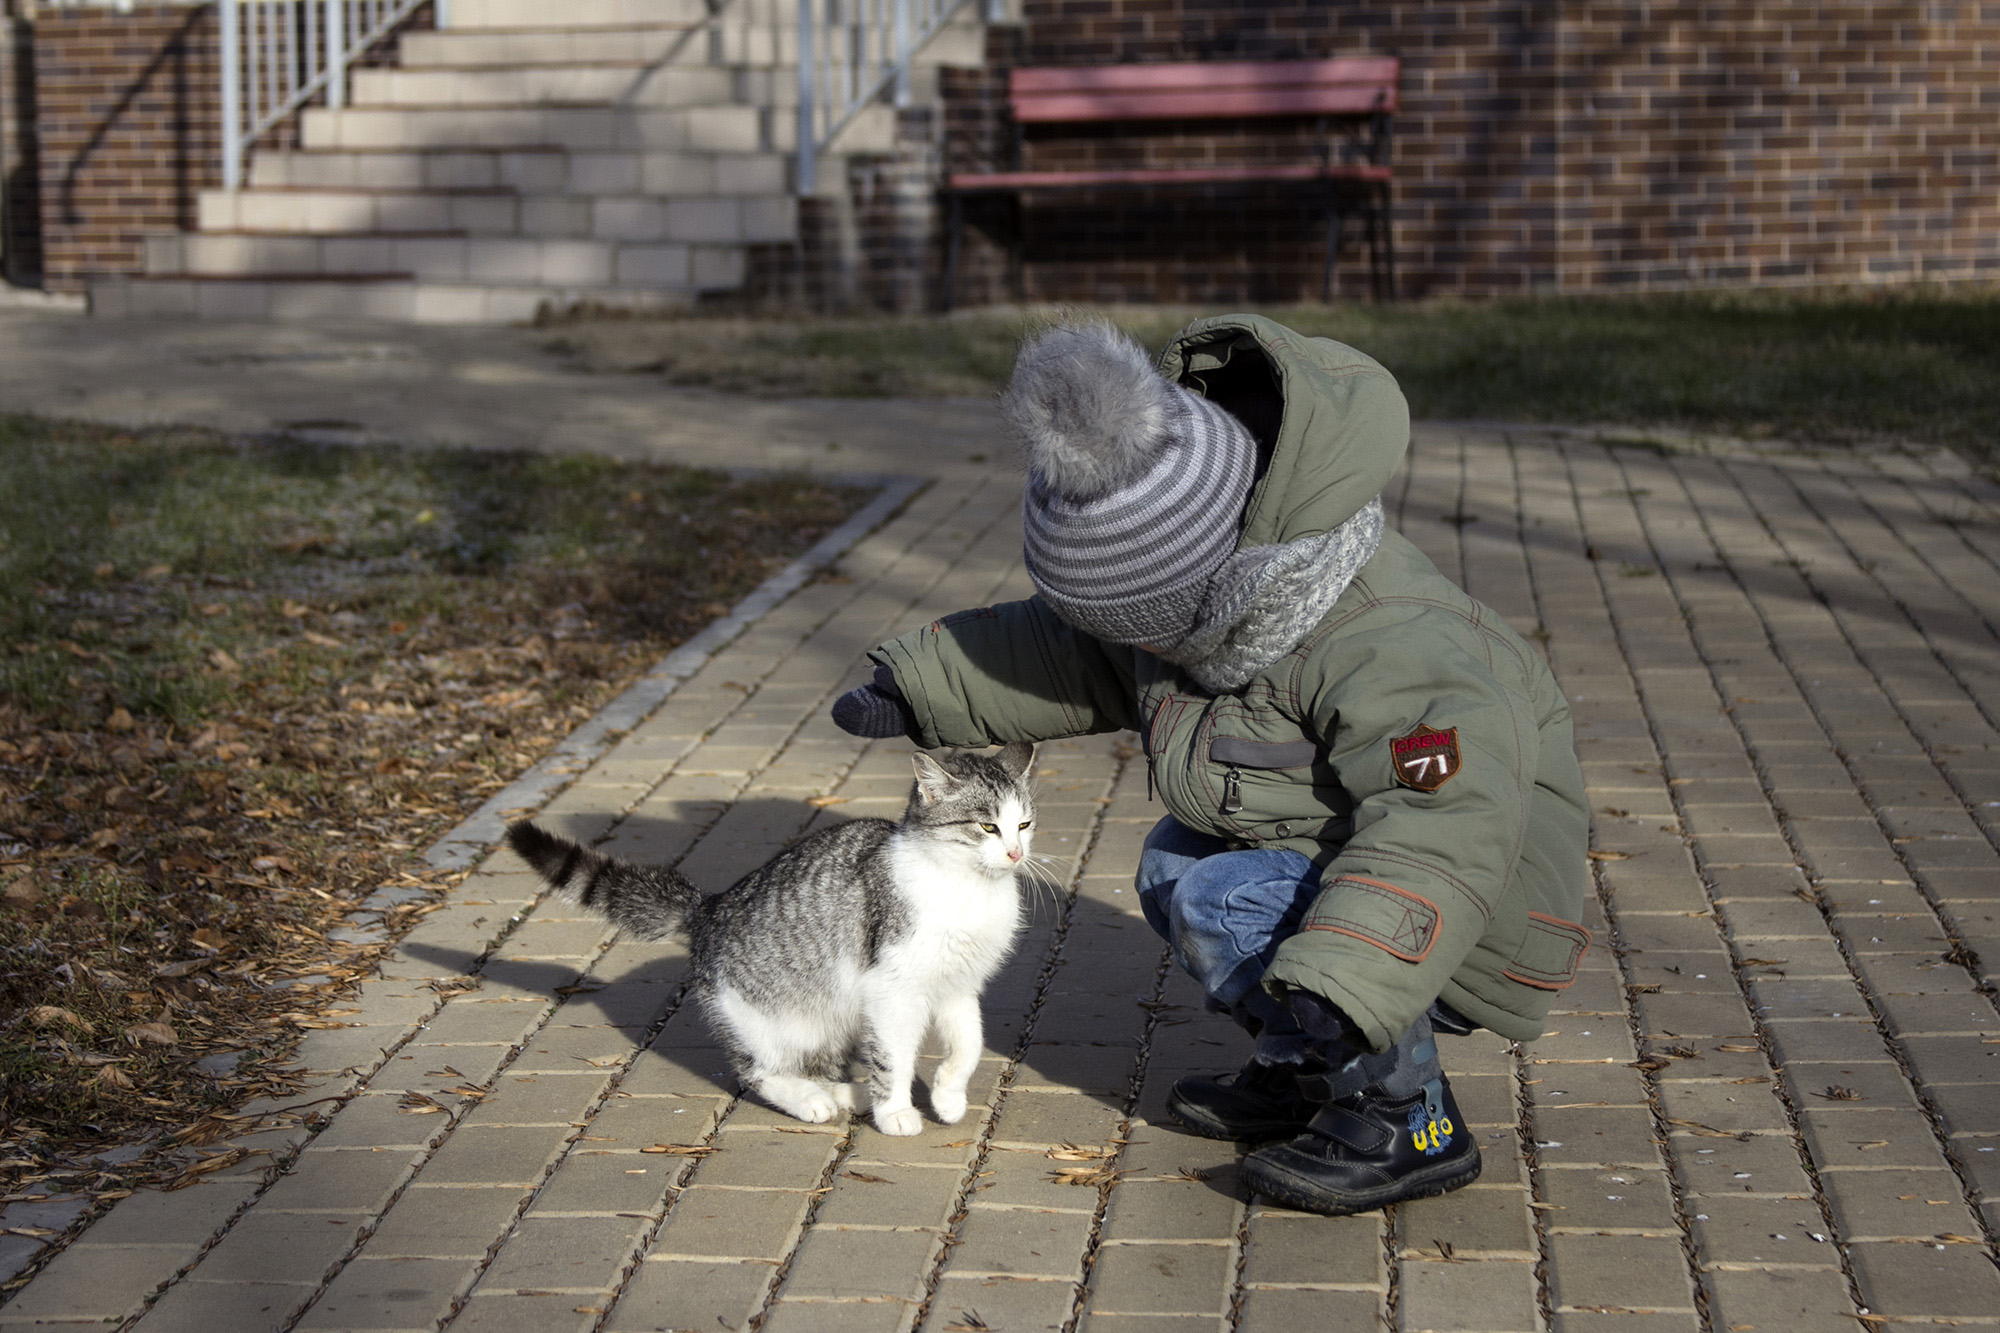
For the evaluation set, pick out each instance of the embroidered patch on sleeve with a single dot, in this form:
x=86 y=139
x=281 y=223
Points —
x=1427 y=758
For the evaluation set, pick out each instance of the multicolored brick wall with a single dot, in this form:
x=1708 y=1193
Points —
x=1555 y=147
x=127 y=112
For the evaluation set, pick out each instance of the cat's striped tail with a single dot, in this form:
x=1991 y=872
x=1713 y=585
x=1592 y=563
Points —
x=652 y=902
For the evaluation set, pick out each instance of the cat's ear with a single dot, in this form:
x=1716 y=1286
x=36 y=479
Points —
x=933 y=783
x=1017 y=757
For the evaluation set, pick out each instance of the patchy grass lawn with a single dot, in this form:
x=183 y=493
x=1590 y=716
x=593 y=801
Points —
x=1826 y=366
x=242 y=685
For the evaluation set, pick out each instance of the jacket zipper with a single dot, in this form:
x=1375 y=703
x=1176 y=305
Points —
x=1232 y=791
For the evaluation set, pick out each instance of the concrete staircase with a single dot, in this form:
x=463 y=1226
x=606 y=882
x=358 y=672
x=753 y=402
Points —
x=621 y=152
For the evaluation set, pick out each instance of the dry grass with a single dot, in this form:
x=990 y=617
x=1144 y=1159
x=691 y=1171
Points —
x=243 y=685
x=1838 y=366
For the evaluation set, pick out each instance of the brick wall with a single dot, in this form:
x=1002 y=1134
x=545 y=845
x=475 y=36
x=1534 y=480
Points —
x=127 y=118
x=1545 y=146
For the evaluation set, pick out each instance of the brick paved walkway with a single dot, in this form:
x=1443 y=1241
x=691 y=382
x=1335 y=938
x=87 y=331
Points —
x=1767 y=1104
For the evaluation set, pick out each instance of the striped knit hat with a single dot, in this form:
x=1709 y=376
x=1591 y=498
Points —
x=1135 y=489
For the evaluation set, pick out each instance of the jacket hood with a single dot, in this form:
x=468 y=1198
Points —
x=1342 y=433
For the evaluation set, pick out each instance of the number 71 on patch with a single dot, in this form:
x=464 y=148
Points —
x=1427 y=758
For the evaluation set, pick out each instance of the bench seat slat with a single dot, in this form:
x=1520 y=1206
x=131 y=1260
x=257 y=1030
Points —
x=1375 y=71
x=1190 y=104
x=974 y=182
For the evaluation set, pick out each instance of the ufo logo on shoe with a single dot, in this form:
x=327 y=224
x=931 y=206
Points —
x=1428 y=1132
x=1427 y=758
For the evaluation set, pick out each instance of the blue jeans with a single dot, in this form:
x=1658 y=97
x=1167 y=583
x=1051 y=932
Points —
x=1224 y=913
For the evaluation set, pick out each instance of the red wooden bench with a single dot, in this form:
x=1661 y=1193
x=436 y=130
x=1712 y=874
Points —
x=1352 y=99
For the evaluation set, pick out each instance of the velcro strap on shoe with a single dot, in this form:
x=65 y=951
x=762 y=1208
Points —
x=1341 y=1125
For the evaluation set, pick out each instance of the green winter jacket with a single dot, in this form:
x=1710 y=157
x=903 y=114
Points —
x=1412 y=744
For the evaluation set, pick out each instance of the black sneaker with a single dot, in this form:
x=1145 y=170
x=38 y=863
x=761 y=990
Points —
x=1367 y=1151
x=1259 y=1101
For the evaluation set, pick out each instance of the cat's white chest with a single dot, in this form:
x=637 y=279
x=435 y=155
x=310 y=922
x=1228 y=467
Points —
x=961 y=928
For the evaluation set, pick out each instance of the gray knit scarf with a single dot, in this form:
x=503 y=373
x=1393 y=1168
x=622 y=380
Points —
x=1263 y=602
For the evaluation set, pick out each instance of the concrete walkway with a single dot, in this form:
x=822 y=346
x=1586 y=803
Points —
x=1768 y=1103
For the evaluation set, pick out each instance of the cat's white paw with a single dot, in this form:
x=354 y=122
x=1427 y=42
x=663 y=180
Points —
x=901 y=1123
x=815 y=1108
x=949 y=1106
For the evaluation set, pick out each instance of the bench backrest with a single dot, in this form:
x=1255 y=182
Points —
x=1352 y=85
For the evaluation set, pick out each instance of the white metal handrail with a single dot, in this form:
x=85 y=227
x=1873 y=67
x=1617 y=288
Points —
x=278 y=55
x=852 y=52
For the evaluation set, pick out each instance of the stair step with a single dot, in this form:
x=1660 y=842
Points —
x=477 y=14
x=725 y=218
x=585 y=262
x=629 y=84
x=725 y=129
x=393 y=297
x=529 y=170
x=768 y=45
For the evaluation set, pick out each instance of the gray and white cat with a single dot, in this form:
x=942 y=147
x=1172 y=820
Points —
x=856 y=941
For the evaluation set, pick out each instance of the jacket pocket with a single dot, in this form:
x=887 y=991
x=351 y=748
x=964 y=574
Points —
x=1549 y=954
x=1403 y=923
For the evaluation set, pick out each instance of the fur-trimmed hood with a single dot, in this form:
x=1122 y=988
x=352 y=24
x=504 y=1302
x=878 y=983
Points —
x=1335 y=435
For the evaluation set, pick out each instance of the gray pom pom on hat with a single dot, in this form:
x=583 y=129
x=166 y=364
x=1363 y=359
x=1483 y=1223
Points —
x=1136 y=486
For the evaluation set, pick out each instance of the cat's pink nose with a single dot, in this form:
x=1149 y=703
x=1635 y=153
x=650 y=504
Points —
x=1014 y=855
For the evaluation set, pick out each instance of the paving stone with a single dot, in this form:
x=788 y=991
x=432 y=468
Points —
x=1728 y=1106
x=479 y=1155
x=1491 y=1296
x=1174 y=1209
x=1633 y=1272
x=1595 y=1199
x=390 y=1294
x=283 y=1247
x=1476 y=1222
x=1835 y=1039
x=548 y=1313
x=1756 y=1229
x=378 y=1121
x=736 y=1224
x=916 y=1196
x=97 y=1283
x=789 y=1315
x=1966 y=1108
x=1783 y=1298
x=1161 y=1279
x=1268 y=1310
x=850 y=1264
x=1028 y=1241
x=1941 y=1281
x=1289 y=1247
x=451 y=1222
x=592 y=1181
x=1055 y=1117
x=1873 y=1086
x=1601 y=1321
x=1001 y=1303
x=1581 y=1135
x=340 y=1181
x=1872 y=1139
x=768 y=1159
x=631 y=1123
x=194 y=1306
x=538 y=1099
x=483 y=1021
x=702 y=1294
x=1760 y=1164
x=564 y=1050
x=195 y=1213
x=563 y=1252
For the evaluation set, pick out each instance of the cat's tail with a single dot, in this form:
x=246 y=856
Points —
x=652 y=902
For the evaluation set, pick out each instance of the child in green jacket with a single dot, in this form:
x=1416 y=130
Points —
x=1375 y=819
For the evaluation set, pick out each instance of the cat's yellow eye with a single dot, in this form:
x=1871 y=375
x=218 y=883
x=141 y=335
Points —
x=994 y=829
x=1027 y=823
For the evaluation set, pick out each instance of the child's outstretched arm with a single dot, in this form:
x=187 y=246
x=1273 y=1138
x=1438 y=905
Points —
x=994 y=674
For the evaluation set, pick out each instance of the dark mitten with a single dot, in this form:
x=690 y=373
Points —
x=1330 y=1030
x=876 y=710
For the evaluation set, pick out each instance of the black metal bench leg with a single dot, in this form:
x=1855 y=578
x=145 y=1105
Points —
x=1374 y=249
x=1388 y=240
x=954 y=233
x=1336 y=221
